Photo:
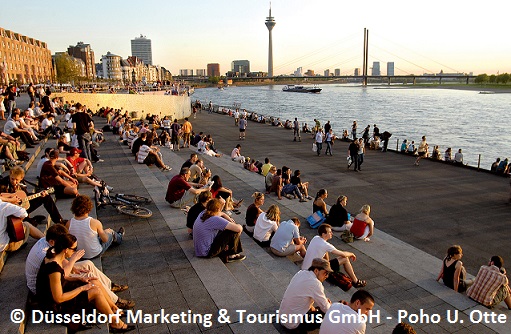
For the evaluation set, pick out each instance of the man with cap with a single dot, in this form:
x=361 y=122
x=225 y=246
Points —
x=297 y=310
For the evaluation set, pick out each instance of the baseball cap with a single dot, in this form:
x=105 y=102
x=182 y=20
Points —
x=322 y=264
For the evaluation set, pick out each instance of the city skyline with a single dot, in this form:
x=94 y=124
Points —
x=322 y=36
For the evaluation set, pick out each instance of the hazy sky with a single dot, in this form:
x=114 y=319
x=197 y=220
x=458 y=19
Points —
x=419 y=37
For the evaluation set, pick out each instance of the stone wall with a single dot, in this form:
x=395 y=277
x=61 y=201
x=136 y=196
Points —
x=163 y=105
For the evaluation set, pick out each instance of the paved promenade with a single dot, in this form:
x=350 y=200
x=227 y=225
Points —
x=419 y=212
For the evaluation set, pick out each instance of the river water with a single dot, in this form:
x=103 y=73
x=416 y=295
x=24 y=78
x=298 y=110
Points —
x=476 y=123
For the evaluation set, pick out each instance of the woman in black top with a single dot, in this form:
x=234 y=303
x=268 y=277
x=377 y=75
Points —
x=338 y=215
x=71 y=295
x=319 y=203
x=453 y=273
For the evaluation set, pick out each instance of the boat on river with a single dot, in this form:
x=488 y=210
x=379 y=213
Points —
x=301 y=89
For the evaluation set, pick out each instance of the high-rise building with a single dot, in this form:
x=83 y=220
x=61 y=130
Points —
x=337 y=72
x=213 y=70
x=84 y=52
x=111 y=66
x=200 y=72
x=376 y=68
x=186 y=72
x=270 y=23
x=241 y=66
x=390 y=68
x=326 y=73
x=23 y=59
x=299 y=72
x=357 y=72
x=141 y=48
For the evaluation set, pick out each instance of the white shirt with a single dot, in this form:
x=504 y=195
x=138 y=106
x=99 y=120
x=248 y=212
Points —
x=285 y=234
x=143 y=152
x=46 y=123
x=318 y=247
x=33 y=262
x=9 y=126
x=87 y=239
x=235 y=153
x=8 y=209
x=319 y=137
x=302 y=292
x=264 y=227
x=458 y=157
x=333 y=324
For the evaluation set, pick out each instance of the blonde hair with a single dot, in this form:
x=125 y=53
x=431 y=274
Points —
x=365 y=209
x=257 y=195
x=273 y=213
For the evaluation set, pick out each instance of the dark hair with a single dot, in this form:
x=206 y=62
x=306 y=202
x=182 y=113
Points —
x=320 y=193
x=81 y=205
x=238 y=146
x=184 y=170
x=322 y=228
x=403 y=328
x=205 y=196
x=279 y=171
x=453 y=250
x=266 y=160
x=297 y=172
x=62 y=242
x=363 y=296
x=217 y=182
x=497 y=260
x=55 y=231
x=296 y=221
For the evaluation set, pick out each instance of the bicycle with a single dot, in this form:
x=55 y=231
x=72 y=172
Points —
x=124 y=203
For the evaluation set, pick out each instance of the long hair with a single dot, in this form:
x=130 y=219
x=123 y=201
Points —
x=217 y=183
x=62 y=242
x=273 y=213
x=214 y=205
x=365 y=209
x=340 y=199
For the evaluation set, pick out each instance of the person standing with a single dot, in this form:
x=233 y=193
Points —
x=353 y=153
x=361 y=151
x=329 y=140
x=422 y=150
x=354 y=130
x=187 y=132
x=296 y=130
x=31 y=92
x=176 y=129
x=243 y=127
x=82 y=123
x=236 y=117
x=319 y=141
x=10 y=96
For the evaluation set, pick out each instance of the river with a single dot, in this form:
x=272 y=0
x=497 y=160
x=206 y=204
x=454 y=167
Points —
x=476 y=123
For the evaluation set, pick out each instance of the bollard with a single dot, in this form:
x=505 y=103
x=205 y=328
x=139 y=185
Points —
x=479 y=162
x=397 y=144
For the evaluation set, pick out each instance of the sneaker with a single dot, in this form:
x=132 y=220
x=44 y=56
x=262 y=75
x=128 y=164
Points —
x=236 y=258
x=166 y=168
x=289 y=196
x=100 y=160
x=309 y=198
x=228 y=212
x=303 y=200
x=109 y=188
x=121 y=232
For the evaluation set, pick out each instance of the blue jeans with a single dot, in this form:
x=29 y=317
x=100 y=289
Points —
x=84 y=145
x=113 y=237
x=328 y=147
x=319 y=146
x=291 y=189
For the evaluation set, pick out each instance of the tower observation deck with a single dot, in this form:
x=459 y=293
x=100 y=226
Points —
x=270 y=23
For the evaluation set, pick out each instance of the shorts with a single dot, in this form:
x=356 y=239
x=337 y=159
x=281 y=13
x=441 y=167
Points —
x=502 y=293
x=291 y=249
x=242 y=130
x=421 y=154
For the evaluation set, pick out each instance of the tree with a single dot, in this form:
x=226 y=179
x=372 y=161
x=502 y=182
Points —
x=481 y=78
x=214 y=80
x=503 y=78
x=67 y=69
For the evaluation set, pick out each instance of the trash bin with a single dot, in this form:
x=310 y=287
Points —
x=134 y=114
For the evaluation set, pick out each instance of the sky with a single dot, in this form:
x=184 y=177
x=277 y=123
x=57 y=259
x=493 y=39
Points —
x=419 y=37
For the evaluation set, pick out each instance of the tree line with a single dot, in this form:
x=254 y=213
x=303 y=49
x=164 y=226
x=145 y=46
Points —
x=485 y=78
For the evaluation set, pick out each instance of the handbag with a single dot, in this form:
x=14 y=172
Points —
x=341 y=280
x=349 y=161
x=316 y=219
x=347 y=236
x=314 y=147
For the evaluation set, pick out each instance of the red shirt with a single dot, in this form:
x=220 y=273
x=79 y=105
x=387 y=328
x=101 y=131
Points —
x=75 y=162
x=176 y=189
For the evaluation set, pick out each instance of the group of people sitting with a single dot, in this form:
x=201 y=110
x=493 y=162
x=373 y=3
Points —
x=502 y=167
x=489 y=288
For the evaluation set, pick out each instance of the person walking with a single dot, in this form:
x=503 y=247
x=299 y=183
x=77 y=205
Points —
x=243 y=127
x=422 y=150
x=296 y=130
x=319 y=141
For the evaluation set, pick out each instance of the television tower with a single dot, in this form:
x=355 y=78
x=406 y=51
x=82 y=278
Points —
x=270 y=23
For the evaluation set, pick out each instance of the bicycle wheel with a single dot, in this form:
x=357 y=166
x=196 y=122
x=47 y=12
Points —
x=134 y=198
x=135 y=211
